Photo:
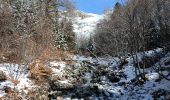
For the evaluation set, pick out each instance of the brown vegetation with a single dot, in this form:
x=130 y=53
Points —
x=39 y=71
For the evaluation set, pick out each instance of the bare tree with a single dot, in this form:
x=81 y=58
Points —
x=136 y=26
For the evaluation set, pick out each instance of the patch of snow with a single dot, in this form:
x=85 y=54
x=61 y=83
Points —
x=64 y=82
x=25 y=83
x=116 y=90
x=58 y=67
x=152 y=52
x=152 y=76
x=130 y=72
x=88 y=77
x=112 y=62
x=16 y=72
x=57 y=64
x=81 y=58
x=2 y=87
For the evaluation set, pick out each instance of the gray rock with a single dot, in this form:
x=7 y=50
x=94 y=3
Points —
x=2 y=76
x=107 y=93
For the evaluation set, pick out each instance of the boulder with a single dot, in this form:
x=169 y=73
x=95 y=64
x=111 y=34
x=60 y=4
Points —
x=2 y=76
x=160 y=93
x=56 y=85
x=113 y=77
x=167 y=62
x=56 y=77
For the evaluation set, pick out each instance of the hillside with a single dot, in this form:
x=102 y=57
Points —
x=84 y=25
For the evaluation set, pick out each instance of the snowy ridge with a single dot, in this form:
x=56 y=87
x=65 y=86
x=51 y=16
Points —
x=85 y=26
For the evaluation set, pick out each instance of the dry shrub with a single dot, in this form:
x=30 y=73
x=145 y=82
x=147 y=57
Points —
x=38 y=93
x=15 y=82
x=31 y=94
x=50 y=54
x=39 y=70
x=9 y=92
x=8 y=35
x=69 y=56
x=56 y=77
x=12 y=94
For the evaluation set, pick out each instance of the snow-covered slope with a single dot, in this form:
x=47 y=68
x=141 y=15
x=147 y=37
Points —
x=85 y=23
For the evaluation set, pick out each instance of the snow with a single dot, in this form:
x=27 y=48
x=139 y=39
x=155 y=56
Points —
x=64 y=82
x=57 y=67
x=131 y=91
x=128 y=90
x=152 y=52
x=85 y=27
x=15 y=72
x=140 y=55
x=88 y=78
x=20 y=73
x=130 y=72
x=112 y=62
x=152 y=76
x=81 y=58
x=3 y=85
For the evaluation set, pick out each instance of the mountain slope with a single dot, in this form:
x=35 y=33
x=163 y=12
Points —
x=85 y=23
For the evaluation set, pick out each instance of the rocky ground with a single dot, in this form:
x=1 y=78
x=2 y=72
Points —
x=90 y=78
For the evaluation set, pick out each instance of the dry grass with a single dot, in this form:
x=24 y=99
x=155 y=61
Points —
x=54 y=54
x=15 y=82
x=39 y=71
x=50 y=54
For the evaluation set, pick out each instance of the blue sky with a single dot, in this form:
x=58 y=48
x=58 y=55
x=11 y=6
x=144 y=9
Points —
x=95 y=6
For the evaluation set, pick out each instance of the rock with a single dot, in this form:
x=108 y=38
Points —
x=95 y=80
x=94 y=88
x=159 y=79
x=167 y=96
x=107 y=93
x=160 y=93
x=59 y=98
x=7 y=89
x=122 y=63
x=167 y=62
x=136 y=81
x=121 y=83
x=154 y=85
x=2 y=76
x=54 y=94
x=55 y=77
x=55 y=85
x=113 y=78
x=104 y=72
x=68 y=98
x=148 y=61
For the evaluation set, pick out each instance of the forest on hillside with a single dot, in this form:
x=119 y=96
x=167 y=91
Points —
x=45 y=56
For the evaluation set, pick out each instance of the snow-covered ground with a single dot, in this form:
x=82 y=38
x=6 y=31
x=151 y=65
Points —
x=18 y=79
x=14 y=73
x=130 y=91
x=97 y=78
